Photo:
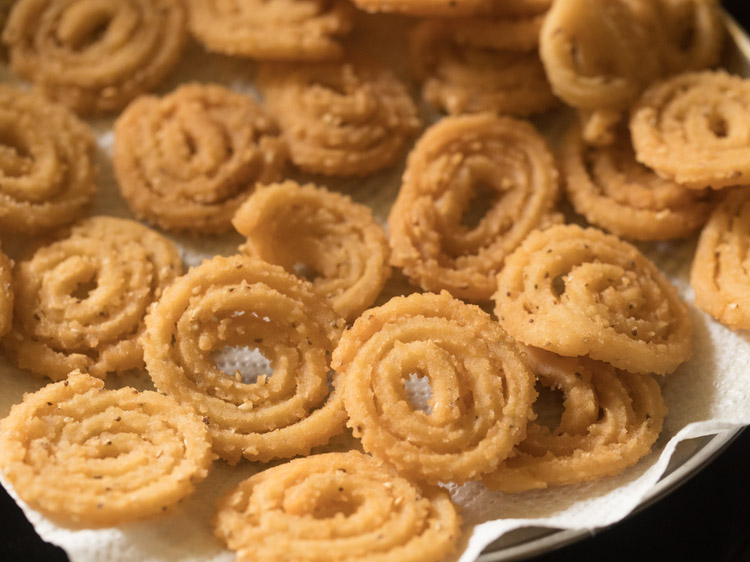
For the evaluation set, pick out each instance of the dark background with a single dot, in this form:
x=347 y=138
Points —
x=705 y=520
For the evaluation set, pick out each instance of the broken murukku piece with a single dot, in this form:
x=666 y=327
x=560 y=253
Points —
x=247 y=303
x=340 y=119
x=94 y=56
x=481 y=391
x=321 y=235
x=610 y=420
x=47 y=172
x=336 y=507
x=578 y=291
x=6 y=293
x=187 y=161
x=91 y=457
x=81 y=300
x=473 y=188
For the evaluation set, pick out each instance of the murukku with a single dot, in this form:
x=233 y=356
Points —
x=347 y=119
x=498 y=168
x=187 y=161
x=454 y=8
x=272 y=29
x=6 y=293
x=610 y=419
x=336 y=507
x=694 y=128
x=97 y=458
x=321 y=235
x=578 y=291
x=616 y=193
x=721 y=268
x=47 y=173
x=691 y=34
x=81 y=301
x=481 y=391
x=94 y=56
x=248 y=303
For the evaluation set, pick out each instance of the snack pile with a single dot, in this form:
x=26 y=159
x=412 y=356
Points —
x=415 y=388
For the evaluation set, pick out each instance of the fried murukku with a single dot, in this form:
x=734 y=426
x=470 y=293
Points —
x=321 y=235
x=347 y=119
x=614 y=192
x=81 y=301
x=272 y=29
x=691 y=34
x=94 y=56
x=721 y=268
x=187 y=161
x=694 y=128
x=6 y=293
x=578 y=291
x=610 y=419
x=248 y=303
x=97 y=458
x=454 y=8
x=481 y=391
x=496 y=167
x=337 y=507
x=47 y=173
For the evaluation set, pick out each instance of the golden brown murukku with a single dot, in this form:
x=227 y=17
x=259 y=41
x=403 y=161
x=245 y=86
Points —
x=96 y=458
x=337 y=507
x=6 y=293
x=454 y=8
x=614 y=192
x=500 y=163
x=94 y=56
x=272 y=29
x=481 y=391
x=610 y=419
x=47 y=171
x=694 y=128
x=721 y=268
x=243 y=302
x=347 y=119
x=187 y=161
x=578 y=291
x=81 y=301
x=691 y=34
x=321 y=235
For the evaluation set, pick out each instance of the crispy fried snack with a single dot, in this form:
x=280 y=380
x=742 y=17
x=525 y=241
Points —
x=96 y=458
x=616 y=193
x=500 y=162
x=481 y=391
x=239 y=301
x=187 y=161
x=336 y=507
x=6 y=293
x=347 y=119
x=310 y=230
x=95 y=55
x=80 y=302
x=579 y=291
x=720 y=275
x=272 y=29
x=47 y=171
x=693 y=128
x=453 y=8
x=691 y=34
x=610 y=420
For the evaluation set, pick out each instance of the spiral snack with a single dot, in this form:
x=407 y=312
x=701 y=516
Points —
x=453 y=8
x=95 y=55
x=720 y=274
x=340 y=119
x=80 y=302
x=610 y=420
x=6 y=293
x=456 y=162
x=616 y=193
x=46 y=164
x=334 y=239
x=691 y=34
x=694 y=128
x=239 y=301
x=188 y=161
x=96 y=458
x=272 y=29
x=481 y=390
x=336 y=507
x=579 y=291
